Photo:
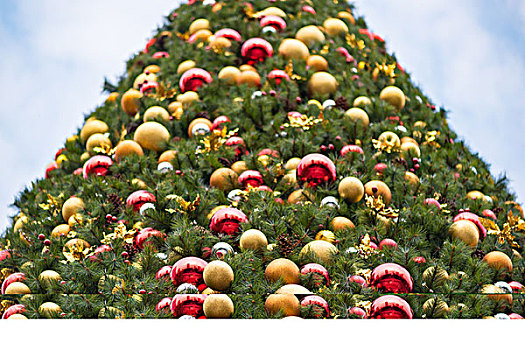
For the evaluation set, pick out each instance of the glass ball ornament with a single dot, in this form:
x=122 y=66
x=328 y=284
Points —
x=501 y=316
x=390 y=307
x=200 y=129
x=401 y=128
x=391 y=278
x=316 y=169
x=188 y=270
x=235 y=196
x=505 y=286
x=145 y=207
x=330 y=201
x=257 y=94
x=327 y=104
x=164 y=167
x=221 y=249
x=187 y=288
x=188 y=304
x=187 y=317
x=269 y=29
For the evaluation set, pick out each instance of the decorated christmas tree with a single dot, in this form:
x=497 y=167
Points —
x=264 y=160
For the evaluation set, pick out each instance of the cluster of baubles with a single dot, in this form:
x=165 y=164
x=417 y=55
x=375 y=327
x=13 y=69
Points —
x=202 y=286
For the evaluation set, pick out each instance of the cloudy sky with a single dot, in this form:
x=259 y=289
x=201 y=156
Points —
x=468 y=56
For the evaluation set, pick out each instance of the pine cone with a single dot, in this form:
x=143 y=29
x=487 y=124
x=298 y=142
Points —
x=478 y=253
x=497 y=210
x=115 y=201
x=286 y=243
x=342 y=103
x=132 y=250
x=203 y=114
x=224 y=161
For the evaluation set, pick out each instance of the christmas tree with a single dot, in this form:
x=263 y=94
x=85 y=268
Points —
x=265 y=160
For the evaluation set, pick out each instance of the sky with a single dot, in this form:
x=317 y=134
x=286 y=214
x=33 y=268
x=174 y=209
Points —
x=467 y=56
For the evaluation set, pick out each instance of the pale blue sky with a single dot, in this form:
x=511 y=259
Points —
x=468 y=56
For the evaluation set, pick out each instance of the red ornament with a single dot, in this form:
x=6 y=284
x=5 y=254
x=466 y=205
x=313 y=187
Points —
x=419 y=260
x=321 y=306
x=163 y=305
x=387 y=242
x=97 y=165
x=516 y=286
x=390 y=307
x=391 y=278
x=256 y=50
x=515 y=316
x=138 y=198
x=194 y=78
x=236 y=141
x=101 y=249
x=264 y=188
x=188 y=270
x=344 y=52
x=188 y=304
x=268 y=152
x=4 y=254
x=14 y=277
x=251 y=178
x=273 y=21
x=78 y=171
x=309 y=9
x=50 y=167
x=149 y=44
x=144 y=234
x=489 y=214
x=227 y=221
x=358 y=279
x=318 y=270
x=357 y=311
x=316 y=169
x=351 y=148
x=432 y=201
x=371 y=35
x=380 y=168
x=149 y=87
x=466 y=215
x=229 y=34
x=164 y=272
x=277 y=76
x=161 y=54
x=14 y=309
x=217 y=122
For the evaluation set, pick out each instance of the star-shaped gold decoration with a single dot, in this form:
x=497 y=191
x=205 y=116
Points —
x=77 y=252
x=214 y=140
x=513 y=224
x=164 y=91
x=184 y=204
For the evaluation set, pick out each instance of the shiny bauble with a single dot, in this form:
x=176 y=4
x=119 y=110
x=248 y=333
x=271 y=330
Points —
x=340 y=223
x=218 y=306
x=317 y=63
x=322 y=84
x=465 y=231
x=310 y=35
x=144 y=78
x=292 y=163
x=358 y=116
x=435 y=308
x=197 y=25
x=391 y=278
x=393 y=96
x=287 y=303
x=282 y=268
x=60 y=230
x=411 y=178
x=298 y=196
x=187 y=288
x=188 y=270
x=227 y=221
x=294 y=289
x=498 y=260
x=322 y=250
x=335 y=26
x=253 y=240
x=98 y=140
x=435 y=277
x=391 y=139
x=49 y=310
x=152 y=136
x=112 y=97
x=229 y=75
x=378 y=188
x=49 y=279
x=188 y=98
x=218 y=275
x=72 y=206
x=17 y=288
x=316 y=169
x=390 y=307
x=351 y=189
x=497 y=294
x=330 y=201
x=156 y=113
x=185 y=65
x=248 y=77
x=362 y=102
x=410 y=150
x=325 y=235
x=130 y=102
x=167 y=156
x=202 y=35
x=92 y=126
x=199 y=126
x=224 y=179
x=126 y=148
x=239 y=167
x=221 y=249
x=165 y=167
x=294 y=49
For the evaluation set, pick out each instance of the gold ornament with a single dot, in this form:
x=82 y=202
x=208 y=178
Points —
x=185 y=205
x=76 y=250
x=513 y=224
x=376 y=204
x=325 y=235
x=52 y=203
x=353 y=42
x=387 y=142
x=365 y=249
x=120 y=232
x=303 y=121
x=164 y=91
x=430 y=138
x=215 y=140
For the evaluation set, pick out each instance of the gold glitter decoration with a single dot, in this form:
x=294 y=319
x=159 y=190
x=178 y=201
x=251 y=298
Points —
x=120 y=232
x=304 y=122
x=215 y=140
x=184 y=204
x=353 y=42
x=52 y=204
x=379 y=207
x=513 y=224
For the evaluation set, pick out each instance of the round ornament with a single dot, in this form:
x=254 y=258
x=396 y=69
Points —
x=294 y=49
x=391 y=278
x=152 y=136
x=97 y=165
x=378 y=188
x=224 y=179
x=390 y=307
x=322 y=250
x=256 y=50
x=393 y=96
x=138 y=198
x=253 y=240
x=126 y=148
x=351 y=189
x=218 y=306
x=316 y=169
x=322 y=84
x=218 y=275
x=194 y=78
x=465 y=231
x=188 y=270
x=227 y=221
x=72 y=206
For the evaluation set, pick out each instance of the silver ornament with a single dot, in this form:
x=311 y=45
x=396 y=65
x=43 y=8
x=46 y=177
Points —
x=165 y=167
x=269 y=29
x=146 y=206
x=504 y=286
x=257 y=94
x=200 y=129
x=221 y=249
x=501 y=316
x=235 y=195
x=187 y=288
x=328 y=104
x=330 y=201
x=401 y=128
